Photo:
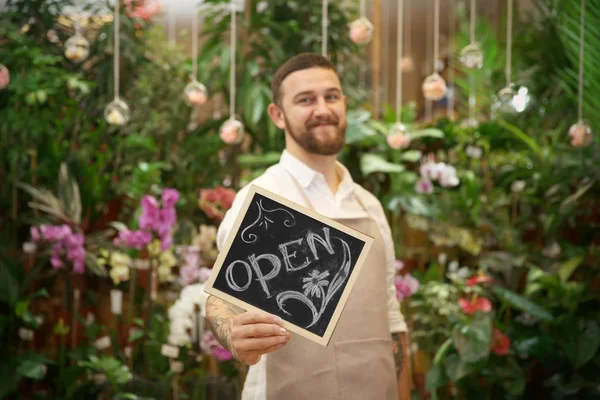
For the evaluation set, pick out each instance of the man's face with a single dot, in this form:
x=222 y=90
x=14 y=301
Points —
x=313 y=110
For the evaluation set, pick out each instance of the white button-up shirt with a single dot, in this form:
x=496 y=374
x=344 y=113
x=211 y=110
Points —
x=342 y=204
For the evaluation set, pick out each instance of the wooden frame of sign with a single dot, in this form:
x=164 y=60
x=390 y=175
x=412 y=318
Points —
x=287 y=281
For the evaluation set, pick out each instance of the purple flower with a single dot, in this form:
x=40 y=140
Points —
x=133 y=239
x=188 y=275
x=149 y=219
x=399 y=264
x=52 y=233
x=166 y=242
x=170 y=197
x=56 y=261
x=35 y=234
x=204 y=274
x=406 y=286
x=168 y=217
x=424 y=186
x=210 y=345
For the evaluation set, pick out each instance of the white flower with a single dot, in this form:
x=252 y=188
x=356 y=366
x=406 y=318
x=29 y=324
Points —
x=29 y=247
x=448 y=177
x=195 y=295
x=552 y=250
x=474 y=152
x=517 y=186
x=180 y=339
x=262 y=6
x=463 y=272
x=453 y=266
x=431 y=170
x=442 y=258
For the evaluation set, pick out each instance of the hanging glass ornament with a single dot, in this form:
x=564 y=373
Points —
x=407 y=64
x=580 y=134
x=116 y=112
x=398 y=137
x=195 y=94
x=361 y=31
x=77 y=48
x=232 y=131
x=434 y=87
x=472 y=56
x=4 y=76
x=505 y=102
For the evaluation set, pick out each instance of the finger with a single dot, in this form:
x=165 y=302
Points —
x=260 y=343
x=256 y=317
x=274 y=348
x=258 y=330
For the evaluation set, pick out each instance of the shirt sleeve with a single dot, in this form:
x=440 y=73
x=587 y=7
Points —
x=395 y=317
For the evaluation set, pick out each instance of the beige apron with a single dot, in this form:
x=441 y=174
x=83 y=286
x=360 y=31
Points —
x=358 y=362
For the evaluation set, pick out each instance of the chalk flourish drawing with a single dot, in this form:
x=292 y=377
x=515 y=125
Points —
x=263 y=219
x=315 y=284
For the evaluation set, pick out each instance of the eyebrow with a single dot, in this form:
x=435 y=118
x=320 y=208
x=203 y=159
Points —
x=311 y=92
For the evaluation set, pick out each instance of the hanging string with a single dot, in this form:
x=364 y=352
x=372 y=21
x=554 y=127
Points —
x=363 y=8
x=451 y=42
x=194 y=45
x=171 y=26
x=116 y=52
x=429 y=103
x=472 y=97
x=581 y=47
x=408 y=28
x=436 y=34
x=232 y=55
x=472 y=22
x=509 y=42
x=324 y=24
x=399 y=61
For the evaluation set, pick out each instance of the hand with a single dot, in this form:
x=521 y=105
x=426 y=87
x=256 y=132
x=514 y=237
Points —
x=255 y=333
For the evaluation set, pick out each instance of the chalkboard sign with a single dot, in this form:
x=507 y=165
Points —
x=289 y=261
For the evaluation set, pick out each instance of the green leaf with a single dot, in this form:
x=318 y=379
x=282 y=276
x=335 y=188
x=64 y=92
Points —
x=568 y=267
x=572 y=199
x=436 y=377
x=431 y=132
x=136 y=335
x=32 y=369
x=370 y=163
x=523 y=304
x=441 y=353
x=523 y=137
x=68 y=194
x=583 y=342
x=457 y=369
x=473 y=340
x=249 y=160
x=141 y=141
x=9 y=285
x=411 y=155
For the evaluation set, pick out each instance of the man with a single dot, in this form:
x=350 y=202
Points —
x=364 y=359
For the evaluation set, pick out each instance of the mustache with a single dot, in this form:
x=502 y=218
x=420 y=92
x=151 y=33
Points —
x=331 y=121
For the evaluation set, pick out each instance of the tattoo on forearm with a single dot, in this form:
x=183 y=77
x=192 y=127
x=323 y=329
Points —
x=220 y=316
x=398 y=352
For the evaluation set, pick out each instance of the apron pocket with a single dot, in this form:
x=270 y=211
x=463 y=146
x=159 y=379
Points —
x=366 y=369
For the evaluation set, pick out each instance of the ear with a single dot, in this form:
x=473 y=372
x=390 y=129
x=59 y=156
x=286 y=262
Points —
x=276 y=115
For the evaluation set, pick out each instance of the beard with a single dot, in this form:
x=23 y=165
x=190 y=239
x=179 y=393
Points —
x=309 y=140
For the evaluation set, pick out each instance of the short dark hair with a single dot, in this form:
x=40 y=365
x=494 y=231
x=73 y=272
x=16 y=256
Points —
x=297 y=63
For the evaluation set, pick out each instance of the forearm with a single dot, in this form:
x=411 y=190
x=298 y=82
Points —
x=219 y=315
x=402 y=361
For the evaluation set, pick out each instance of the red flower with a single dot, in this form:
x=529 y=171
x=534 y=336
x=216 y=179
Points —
x=215 y=202
x=479 y=304
x=479 y=279
x=500 y=343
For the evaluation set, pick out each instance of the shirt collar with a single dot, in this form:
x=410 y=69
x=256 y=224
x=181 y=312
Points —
x=306 y=175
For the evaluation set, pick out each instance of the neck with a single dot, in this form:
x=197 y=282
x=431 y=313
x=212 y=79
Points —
x=326 y=165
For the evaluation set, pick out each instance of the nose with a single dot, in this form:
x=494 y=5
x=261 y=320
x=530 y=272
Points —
x=322 y=108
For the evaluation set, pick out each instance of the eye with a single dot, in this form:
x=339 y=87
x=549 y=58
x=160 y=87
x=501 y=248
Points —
x=332 y=97
x=304 y=100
